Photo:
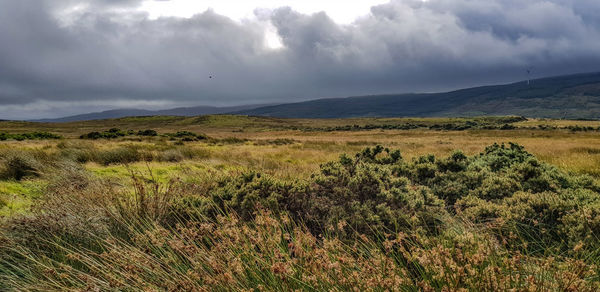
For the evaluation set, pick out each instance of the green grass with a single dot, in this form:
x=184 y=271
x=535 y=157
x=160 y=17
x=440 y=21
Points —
x=16 y=197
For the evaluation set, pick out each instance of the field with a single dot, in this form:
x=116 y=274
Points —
x=247 y=203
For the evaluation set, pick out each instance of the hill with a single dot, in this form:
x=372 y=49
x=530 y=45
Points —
x=569 y=97
x=180 y=111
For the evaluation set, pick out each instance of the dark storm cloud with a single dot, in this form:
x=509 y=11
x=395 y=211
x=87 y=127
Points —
x=55 y=62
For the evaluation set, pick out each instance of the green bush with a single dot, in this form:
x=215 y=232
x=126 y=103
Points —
x=109 y=134
x=360 y=194
x=148 y=132
x=377 y=191
x=29 y=136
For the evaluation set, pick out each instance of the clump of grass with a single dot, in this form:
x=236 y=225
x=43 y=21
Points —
x=3 y=201
x=78 y=151
x=228 y=141
x=179 y=154
x=278 y=141
x=120 y=155
x=18 y=165
x=275 y=253
x=171 y=155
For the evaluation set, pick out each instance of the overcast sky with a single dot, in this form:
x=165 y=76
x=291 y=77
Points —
x=62 y=57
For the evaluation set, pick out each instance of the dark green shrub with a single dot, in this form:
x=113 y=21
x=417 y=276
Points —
x=92 y=135
x=360 y=194
x=148 y=132
x=377 y=191
x=109 y=134
x=29 y=136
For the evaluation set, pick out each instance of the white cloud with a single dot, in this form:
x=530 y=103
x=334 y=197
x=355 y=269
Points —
x=341 y=11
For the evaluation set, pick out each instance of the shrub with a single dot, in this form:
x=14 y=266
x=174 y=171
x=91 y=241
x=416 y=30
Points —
x=359 y=192
x=109 y=134
x=147 y=133
x=377 y=191
x=29 y=136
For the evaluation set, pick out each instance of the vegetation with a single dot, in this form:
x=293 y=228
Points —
x=114 y=133
x=28 y=136
x=279 y=209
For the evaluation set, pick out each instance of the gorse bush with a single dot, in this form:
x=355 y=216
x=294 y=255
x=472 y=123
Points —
x=377 y=191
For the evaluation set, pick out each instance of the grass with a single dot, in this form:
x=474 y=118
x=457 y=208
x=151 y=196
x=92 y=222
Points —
x=134 y=213
x=17 y=197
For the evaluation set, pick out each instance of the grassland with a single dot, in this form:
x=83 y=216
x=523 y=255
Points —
x=160 y=213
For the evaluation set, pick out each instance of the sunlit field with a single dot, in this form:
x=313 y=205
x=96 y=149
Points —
x=236 y=202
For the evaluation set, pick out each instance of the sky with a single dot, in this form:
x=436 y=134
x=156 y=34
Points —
x=64 y=57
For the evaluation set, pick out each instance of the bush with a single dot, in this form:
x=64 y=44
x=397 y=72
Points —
x=377 y=191
x=109 y=134
x=150 y=133
x=29 y=136
x=362 y=194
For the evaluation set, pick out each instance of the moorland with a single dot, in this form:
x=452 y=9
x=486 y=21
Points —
x=233 y=202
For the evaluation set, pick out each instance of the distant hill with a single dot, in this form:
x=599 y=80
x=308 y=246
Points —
x=562 y=97
x=180 y=111
x=571 y=97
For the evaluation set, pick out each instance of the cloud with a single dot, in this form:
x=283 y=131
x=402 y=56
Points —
x=104 y=54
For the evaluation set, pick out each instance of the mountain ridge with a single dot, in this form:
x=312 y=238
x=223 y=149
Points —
x=575 y=96
x=132 y=112
x=566 y=96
